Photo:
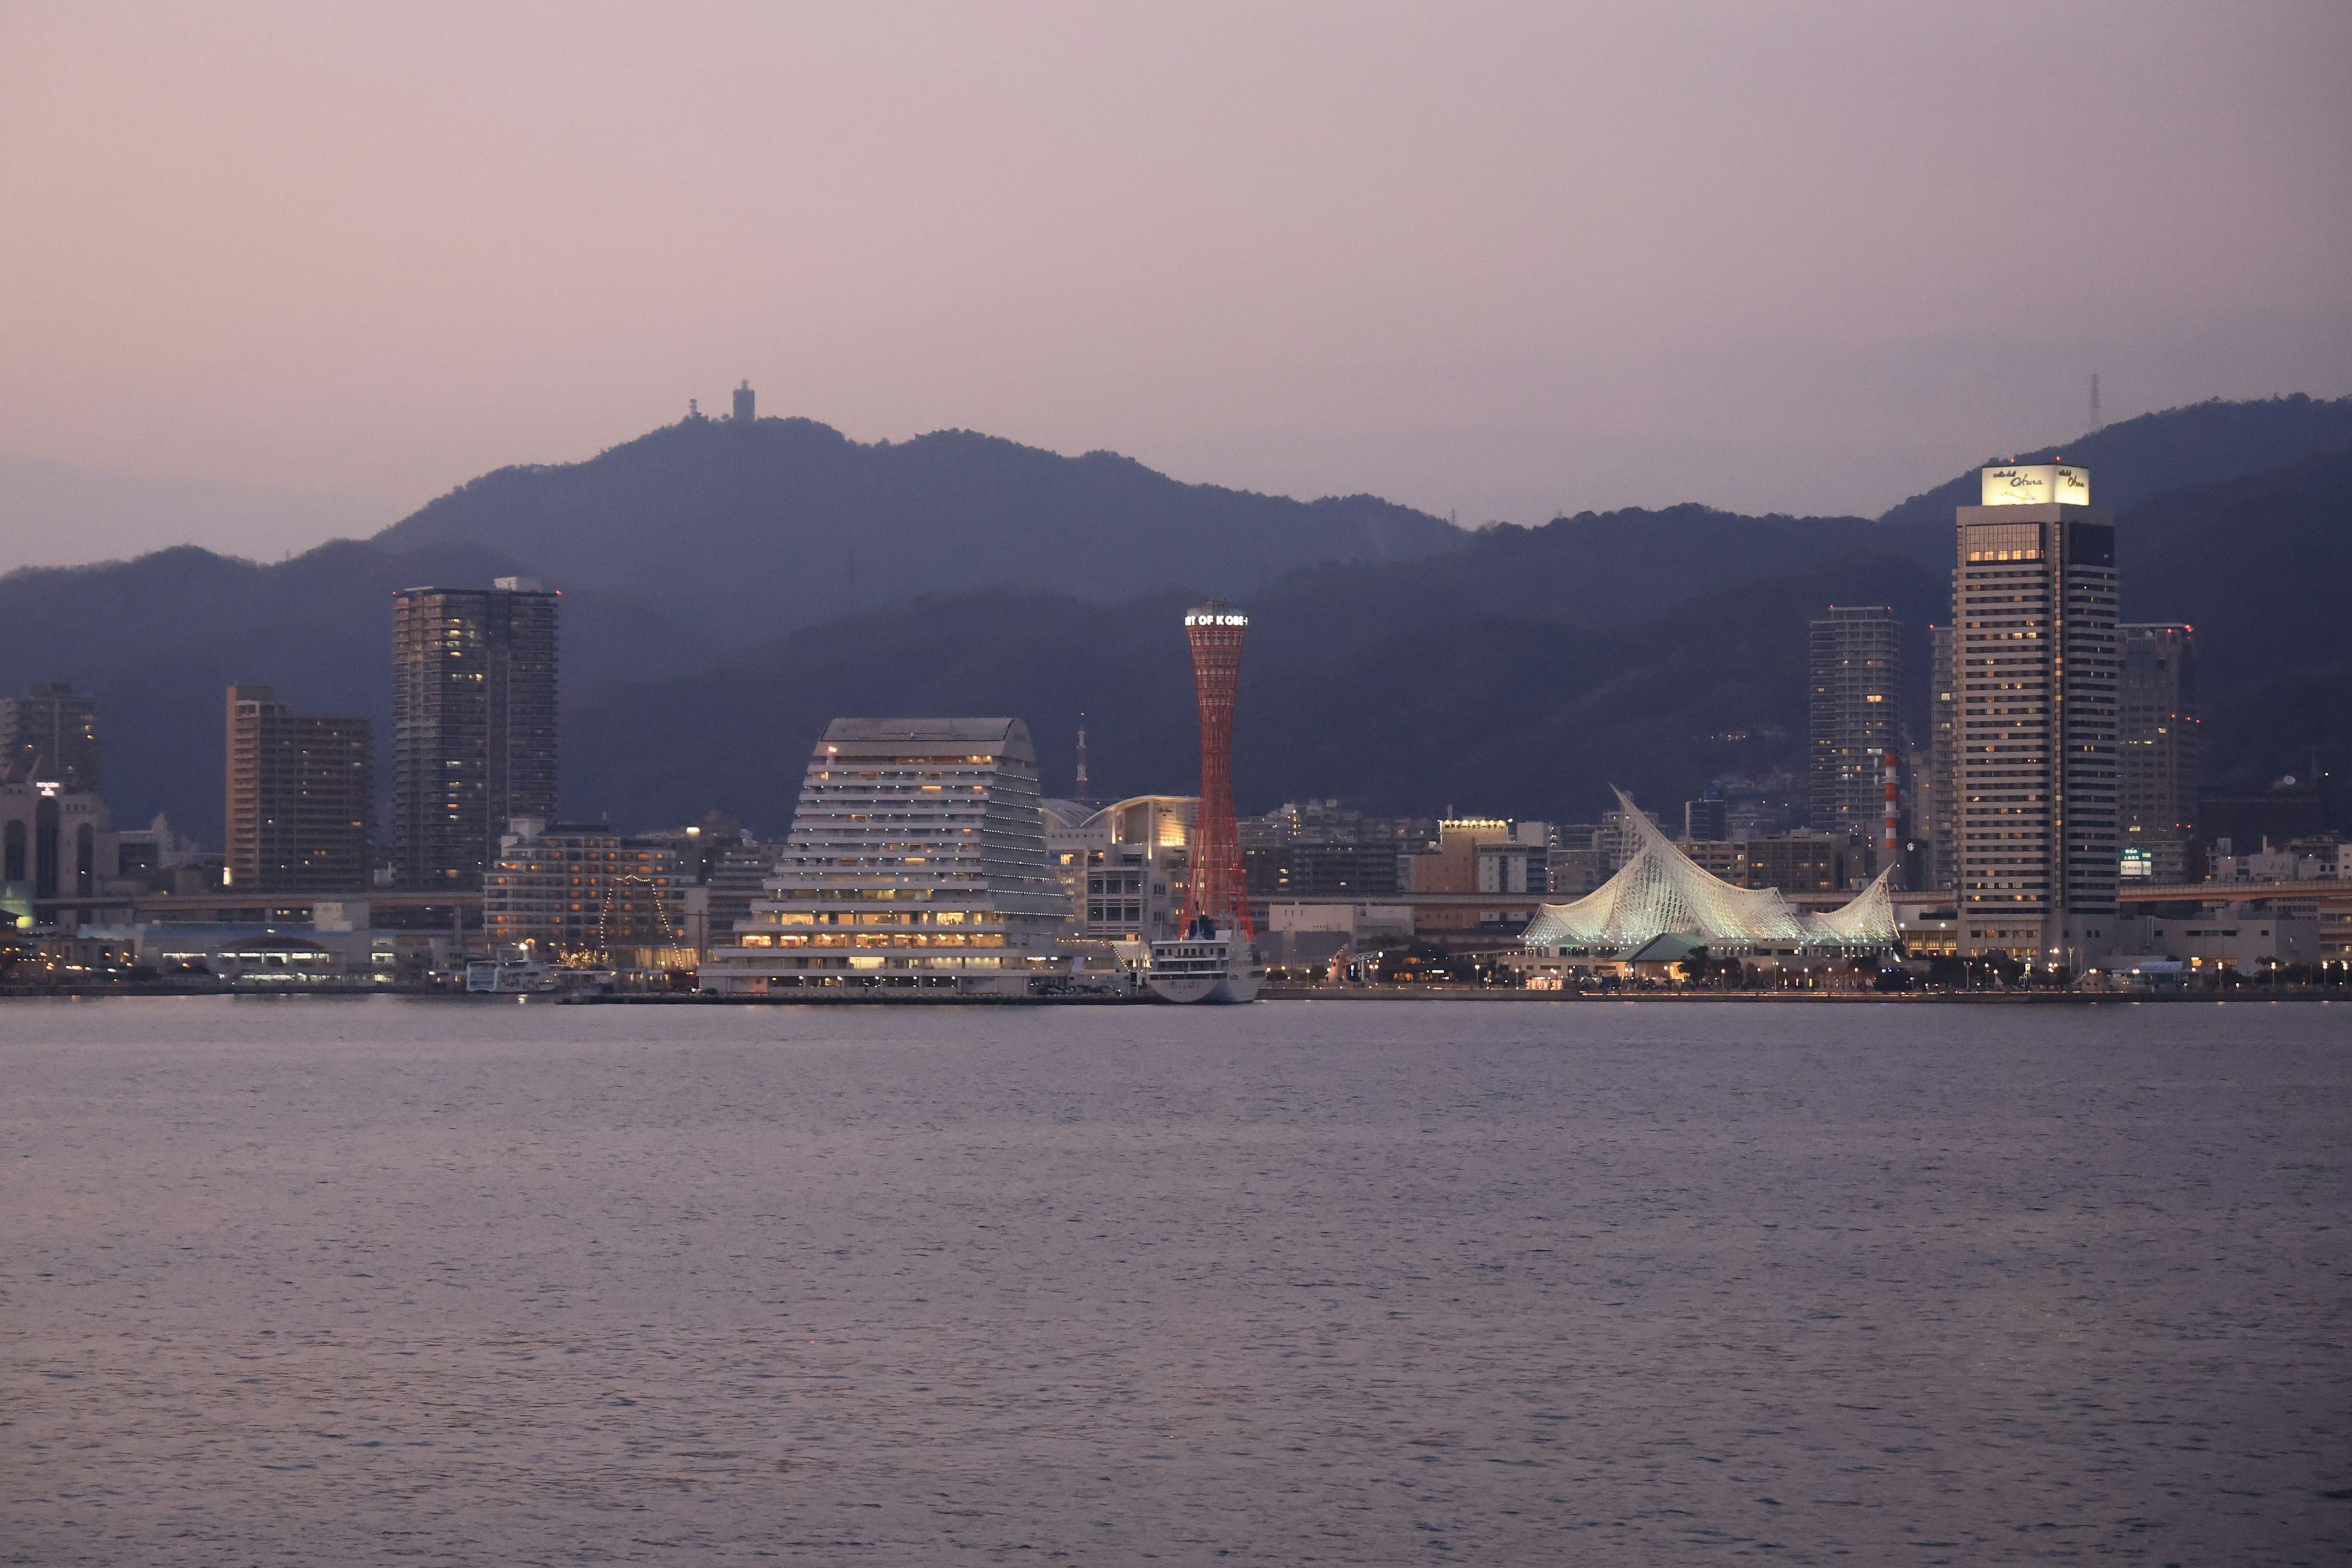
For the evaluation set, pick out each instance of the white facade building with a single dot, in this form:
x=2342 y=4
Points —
x=2246 y=939
x=1123 y=866
x=54 y=843
x=917 y=861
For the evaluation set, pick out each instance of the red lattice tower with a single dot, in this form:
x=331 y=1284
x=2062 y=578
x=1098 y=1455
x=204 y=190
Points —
x=1215 y=887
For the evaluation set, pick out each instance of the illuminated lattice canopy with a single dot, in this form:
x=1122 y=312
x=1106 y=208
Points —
x=1661 y=891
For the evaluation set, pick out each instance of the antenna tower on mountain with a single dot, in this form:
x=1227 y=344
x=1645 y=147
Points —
x=2094 y=402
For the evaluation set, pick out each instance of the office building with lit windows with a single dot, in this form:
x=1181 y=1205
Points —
x=1934 y=803
x=2160 y=754
x=473 y=725
x=2036 y=659
x=916 y=859
x=1855 y=686
x=50 y=734
x=301 y=793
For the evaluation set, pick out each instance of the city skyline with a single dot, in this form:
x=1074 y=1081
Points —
x=1347 y=781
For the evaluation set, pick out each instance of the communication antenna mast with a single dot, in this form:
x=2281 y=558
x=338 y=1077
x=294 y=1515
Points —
x=2094 y=402
x=1084 y=796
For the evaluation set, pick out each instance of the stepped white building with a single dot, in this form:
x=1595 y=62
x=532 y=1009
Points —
x=1660 y=892
x=916 y=859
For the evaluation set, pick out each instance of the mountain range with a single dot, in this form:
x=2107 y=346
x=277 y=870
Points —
x=730 y=586
x=750 y=527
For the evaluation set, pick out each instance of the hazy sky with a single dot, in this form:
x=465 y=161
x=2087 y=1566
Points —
x=1499 y=259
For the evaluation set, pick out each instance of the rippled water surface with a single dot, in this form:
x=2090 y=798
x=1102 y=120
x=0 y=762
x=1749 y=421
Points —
x=351 y=1282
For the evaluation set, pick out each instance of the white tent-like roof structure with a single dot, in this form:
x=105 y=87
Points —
x=1660 y=891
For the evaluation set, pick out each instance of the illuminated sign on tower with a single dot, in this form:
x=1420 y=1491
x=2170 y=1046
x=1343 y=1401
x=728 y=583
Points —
x=2035 y=484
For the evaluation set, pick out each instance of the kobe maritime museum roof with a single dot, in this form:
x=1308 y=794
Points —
x=1661 y=891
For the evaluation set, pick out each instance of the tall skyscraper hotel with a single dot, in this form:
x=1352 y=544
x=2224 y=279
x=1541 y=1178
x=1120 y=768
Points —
x=2036 y=663
x=473 y=725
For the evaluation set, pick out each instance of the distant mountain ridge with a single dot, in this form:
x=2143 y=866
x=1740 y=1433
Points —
x=2198 y=444
x=1507 y=669
x=1506 y=678
x=763 y=525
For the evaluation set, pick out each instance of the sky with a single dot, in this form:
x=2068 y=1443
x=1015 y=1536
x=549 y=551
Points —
x=270 y=273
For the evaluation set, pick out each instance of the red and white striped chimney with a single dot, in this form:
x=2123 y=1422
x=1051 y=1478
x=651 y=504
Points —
x=1887 y=846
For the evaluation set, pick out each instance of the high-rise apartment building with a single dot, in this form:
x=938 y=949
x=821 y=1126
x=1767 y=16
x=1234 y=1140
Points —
x=917 y=859
x=1856 y=691
x=2158 y=737
x=2036 y=662
x=300 y=796
x=1707 y=819
x=50 y=734
x=473 y=725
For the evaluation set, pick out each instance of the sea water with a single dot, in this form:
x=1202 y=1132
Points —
x=430 y=1281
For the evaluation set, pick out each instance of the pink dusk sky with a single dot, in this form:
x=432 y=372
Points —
x=274 y=272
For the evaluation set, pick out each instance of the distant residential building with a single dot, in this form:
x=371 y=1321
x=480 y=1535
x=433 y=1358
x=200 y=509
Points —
x=581 y=894
x=736 y=878
x=2158 y=753
x=744 y=403
x=1575 y=869
x=1716 y=856
x=1320 y=849
x=1321 y=870
x=1620 y=838
x=473 y=716
x=1708 y=817
x=1329 y=822
x=2036 y=662
x=50 y=734
x=1454 y=864
x=1803 y=863
x=301 y=791
x=1856 y=687
x=152 y=851
x=1756 y=815
x=917 y=859
x=1934 y=813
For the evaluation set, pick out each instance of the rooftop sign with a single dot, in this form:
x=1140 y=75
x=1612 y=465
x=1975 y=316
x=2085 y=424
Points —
x=2036 y=484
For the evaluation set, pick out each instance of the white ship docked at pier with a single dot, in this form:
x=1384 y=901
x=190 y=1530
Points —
x=1207 y=965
